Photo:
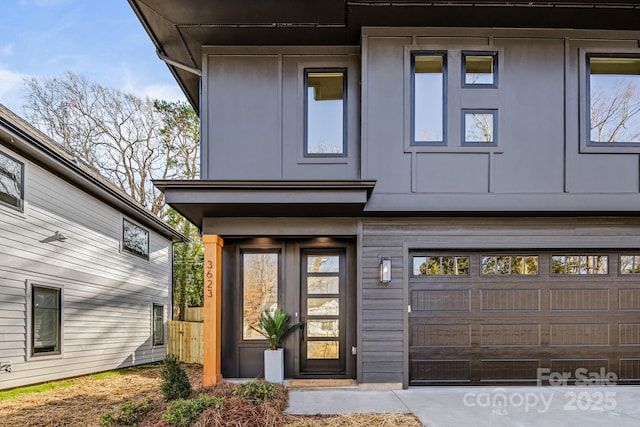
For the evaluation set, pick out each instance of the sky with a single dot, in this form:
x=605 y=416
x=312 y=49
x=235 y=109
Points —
x=101 y=40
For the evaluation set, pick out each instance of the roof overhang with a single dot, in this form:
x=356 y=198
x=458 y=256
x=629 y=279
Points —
x=196 y=199
x=179 y=30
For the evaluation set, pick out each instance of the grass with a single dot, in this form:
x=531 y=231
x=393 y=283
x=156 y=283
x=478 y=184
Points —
x=9 y=394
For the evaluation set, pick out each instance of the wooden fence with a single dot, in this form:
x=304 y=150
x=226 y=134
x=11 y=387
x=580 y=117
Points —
x=191 y=314
x=186 y=341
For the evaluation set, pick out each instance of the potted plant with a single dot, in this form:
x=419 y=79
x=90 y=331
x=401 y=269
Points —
x=274 y=327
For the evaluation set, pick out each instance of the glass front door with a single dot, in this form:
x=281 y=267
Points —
x=323 y=312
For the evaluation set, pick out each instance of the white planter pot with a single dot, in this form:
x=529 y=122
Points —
x=274 y=365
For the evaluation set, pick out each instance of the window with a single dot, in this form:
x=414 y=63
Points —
x=479 y=69
x=325 y=108
x=260 y=277
x=479 y=127
x=614 y=99
x=158 y=324
x=580 y=264
x=629 y=264
x=135 y=239
x=428 y=82
x=509 y=265
x=440 y=265
x=11 y=182
x=45 y=320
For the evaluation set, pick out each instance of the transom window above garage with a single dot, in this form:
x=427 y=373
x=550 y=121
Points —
x=441 y=265
x=580 y=264
x=509 y=265
x=629 y=264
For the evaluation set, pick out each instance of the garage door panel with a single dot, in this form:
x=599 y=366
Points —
x=430 y=371
x=510 y=335
x=596 y=334
x=629 y=369
x=571 y=299
x=510 y=300
x=501 y=328
x=423 y=335
x=629 y=299
x=456 y=300
x=501 y=370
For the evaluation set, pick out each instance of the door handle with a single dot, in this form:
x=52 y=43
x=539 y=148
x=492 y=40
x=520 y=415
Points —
x=302 y=328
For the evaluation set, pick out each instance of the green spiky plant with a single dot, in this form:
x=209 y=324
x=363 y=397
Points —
x=275 y=327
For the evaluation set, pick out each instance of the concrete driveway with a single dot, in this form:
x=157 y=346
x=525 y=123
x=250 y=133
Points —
x=569 y=406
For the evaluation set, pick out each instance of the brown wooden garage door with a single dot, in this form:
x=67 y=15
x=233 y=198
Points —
x=489 y=318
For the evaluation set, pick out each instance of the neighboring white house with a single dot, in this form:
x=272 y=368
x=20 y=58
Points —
x=85 y=270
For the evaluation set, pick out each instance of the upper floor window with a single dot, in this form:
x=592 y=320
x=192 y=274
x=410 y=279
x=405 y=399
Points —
x=325 y=112
x=11 y=181
x=614 y=99
x=135 y=239
x=479 y=127
x=479 y=69
x=428 y=97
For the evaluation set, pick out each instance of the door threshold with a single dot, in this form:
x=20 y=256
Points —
x=321 y=382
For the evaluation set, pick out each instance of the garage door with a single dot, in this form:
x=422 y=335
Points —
x=490 y=318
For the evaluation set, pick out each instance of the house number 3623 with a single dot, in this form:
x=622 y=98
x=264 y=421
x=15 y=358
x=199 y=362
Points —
x=209 y=276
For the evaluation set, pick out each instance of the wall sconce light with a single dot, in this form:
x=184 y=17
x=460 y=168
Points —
x=385 y=270
x=60 y=237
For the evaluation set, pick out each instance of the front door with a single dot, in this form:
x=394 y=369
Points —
x=323 y=312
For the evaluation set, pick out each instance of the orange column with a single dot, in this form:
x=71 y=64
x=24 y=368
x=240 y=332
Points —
x=211 y=371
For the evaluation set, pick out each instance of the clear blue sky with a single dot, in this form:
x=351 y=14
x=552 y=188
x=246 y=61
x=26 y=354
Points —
x=101 y=40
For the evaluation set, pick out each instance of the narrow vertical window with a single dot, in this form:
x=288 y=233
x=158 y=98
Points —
x=325 y=112
x=479 y=69
x=428 y=82
x=260 y=276
x=11 y=182
x=158 y=324
x=614 y=99
x=46 y=320
x=479 y=127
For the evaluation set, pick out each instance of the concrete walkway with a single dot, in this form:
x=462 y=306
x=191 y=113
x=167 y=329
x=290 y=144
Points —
x=569 y=406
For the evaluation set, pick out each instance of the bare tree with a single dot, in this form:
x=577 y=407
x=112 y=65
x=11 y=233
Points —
x=615 y=113
x=124 y=137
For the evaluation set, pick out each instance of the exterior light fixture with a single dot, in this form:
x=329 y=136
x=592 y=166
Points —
x=60 y=237
x=385 y=270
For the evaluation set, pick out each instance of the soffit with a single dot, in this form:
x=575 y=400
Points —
x=196 y=199
x=179 y=32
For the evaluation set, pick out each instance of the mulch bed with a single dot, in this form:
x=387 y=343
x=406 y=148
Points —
x=82 y=404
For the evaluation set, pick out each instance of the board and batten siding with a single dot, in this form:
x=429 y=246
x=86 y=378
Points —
x=384 y=346
x=107 y=294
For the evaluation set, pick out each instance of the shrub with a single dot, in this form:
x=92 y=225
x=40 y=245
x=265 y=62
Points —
x=183 y=412
x=256 y=391
x=128 y=414
x=175 y=382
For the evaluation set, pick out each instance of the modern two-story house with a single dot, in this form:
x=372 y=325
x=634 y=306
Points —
x=442 y=192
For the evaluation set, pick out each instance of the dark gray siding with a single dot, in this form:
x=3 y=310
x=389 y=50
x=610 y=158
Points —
x=541 y=161
x=253 y=114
